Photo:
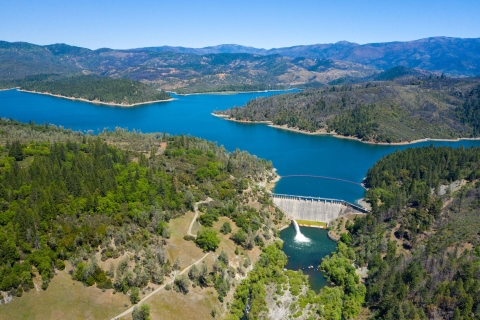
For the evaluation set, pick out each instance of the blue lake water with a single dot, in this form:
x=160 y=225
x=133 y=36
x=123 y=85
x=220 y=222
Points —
x=291 y=153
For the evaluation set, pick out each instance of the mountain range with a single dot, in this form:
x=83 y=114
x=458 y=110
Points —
x=232 y=67
x=453 y=56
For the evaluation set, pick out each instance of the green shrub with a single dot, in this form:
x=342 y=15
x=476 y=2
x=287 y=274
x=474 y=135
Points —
x=226 y=228
x=90 y=281
x=134 y=295
x=208 y=240
x=189 y=238
x=19 y=292
x=60 y=265
x=142 y=313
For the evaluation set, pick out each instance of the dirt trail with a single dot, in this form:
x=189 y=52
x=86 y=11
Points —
x=195 y=206
x=189 y=232
x=130 y=310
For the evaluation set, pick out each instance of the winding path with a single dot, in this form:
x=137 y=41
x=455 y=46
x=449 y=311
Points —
x=130 y=310
x=195 y=207
x=189 y=232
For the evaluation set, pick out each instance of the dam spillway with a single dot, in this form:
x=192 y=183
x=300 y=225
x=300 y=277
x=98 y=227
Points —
x=313 y=208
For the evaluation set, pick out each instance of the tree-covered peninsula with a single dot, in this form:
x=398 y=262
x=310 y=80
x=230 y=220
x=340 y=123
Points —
x=403 y=110
x=106 y=90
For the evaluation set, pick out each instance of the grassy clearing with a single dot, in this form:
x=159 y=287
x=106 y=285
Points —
x=186 y=251
x=307 y=223
x=65 y=299
x=197 y=304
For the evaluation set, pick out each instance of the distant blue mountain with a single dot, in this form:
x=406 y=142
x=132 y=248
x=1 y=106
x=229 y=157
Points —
x=453 y=56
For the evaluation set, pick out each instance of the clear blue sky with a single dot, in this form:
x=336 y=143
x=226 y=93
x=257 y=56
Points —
x=125 y=24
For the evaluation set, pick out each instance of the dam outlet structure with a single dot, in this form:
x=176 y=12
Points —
x=314 y=208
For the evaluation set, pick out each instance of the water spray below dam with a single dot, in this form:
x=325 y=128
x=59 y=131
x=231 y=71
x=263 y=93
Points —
x=299 y=237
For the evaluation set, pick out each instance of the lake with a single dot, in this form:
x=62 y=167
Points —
x=291 y=153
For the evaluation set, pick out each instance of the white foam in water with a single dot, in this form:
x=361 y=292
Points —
x=299 y=237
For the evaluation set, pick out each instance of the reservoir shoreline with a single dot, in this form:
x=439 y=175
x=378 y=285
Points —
x=112 y=104
x=333 y=134
x=229 y=92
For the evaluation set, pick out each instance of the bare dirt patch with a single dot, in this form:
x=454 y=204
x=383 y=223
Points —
x=161 y=148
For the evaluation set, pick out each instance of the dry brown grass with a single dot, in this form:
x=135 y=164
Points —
x=197 y=304
x=186 y=251
x=65 y=299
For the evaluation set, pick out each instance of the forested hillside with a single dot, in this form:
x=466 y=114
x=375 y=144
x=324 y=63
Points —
x=421 y=242
x=92 y=88
x=22 y=59
x=72 y=199
x=233 y=88
x=391 y=111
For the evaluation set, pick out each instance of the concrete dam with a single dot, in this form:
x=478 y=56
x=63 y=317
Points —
x=313 y=208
